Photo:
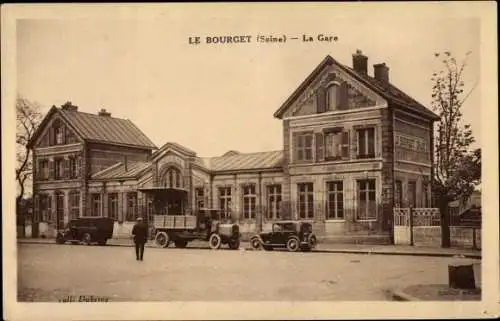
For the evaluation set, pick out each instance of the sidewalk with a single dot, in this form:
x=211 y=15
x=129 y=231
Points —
x=322 y=248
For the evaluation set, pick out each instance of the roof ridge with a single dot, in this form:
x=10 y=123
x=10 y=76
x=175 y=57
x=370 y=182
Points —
x=247 y=154
x=90 y=114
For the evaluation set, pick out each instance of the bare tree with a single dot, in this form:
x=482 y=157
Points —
x=456 y=168
x=28 y=117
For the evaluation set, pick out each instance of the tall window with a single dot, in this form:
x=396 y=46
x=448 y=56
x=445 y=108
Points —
x=335 y=200
x=304 y=147
x=96 y=205
x=398 y=194
x=425 y=194
x=332 y=97
x=59 y=168
x=225 y=201
x=367 y=206
x=59 y=133
x=336 y=145
x=73 y=167
x=305 y=200
x=74 y=204
x=249 y=201
x=45 y=207
x=43 y=169
x=274 y=202
x=131 y=206
x=172 y=178
x=412 y=194
x=199 y=195
x=113 y=206
x=366 y=142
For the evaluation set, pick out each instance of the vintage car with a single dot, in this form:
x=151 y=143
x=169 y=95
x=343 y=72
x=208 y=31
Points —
x=292 y=235
x=87 y=230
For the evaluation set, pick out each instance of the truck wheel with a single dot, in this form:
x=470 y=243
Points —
x=215 y=241
x=255 y=243
x=180 y=244
x=86 y=239
x=234 y=244
x=162 y=240
x=59 y=238
x=293 y=244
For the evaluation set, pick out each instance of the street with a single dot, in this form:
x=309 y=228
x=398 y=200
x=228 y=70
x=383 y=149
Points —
x=55 y=272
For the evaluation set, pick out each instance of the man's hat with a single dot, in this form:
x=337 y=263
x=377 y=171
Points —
x=139 y=218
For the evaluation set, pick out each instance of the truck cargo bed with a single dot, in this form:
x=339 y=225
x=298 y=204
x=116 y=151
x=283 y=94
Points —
x=181 y=222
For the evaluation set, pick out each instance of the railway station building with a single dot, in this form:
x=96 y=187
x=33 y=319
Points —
x=354 y=147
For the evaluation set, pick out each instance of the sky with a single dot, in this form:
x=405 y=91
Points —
x=139 y=65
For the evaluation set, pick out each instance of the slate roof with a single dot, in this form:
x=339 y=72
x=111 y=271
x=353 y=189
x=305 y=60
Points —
x=106 y=129
x=243 y=161
x=389 y=92
x=116 y=171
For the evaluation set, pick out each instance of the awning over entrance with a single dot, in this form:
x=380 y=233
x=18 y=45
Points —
x=176 y=192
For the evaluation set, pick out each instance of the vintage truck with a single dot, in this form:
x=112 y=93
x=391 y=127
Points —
x=86 y=230
x=205 y=225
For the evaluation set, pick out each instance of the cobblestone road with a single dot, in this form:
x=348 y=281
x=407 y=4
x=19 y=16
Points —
x=54 y=272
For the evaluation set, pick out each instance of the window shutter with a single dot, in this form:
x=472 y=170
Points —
x=355 y=140
x=345 y=144
x=36 y=170
x=79 y=168
x=343 y=96
x=320 y=147
x=105 y=199
x=36 y=208
x=51 y=169
x=51 y=136
x=49 y=208
x=321 y=100
x=295 y=147
x=63 y=134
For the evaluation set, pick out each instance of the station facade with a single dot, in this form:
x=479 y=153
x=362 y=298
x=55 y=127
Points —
x=354 y=147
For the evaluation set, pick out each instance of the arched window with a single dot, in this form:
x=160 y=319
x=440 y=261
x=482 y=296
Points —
x=172 y=178
x=332 y=96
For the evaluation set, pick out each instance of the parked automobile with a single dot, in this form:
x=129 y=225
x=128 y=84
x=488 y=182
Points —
x=87 y=230
x=206 y=225
x=292 y=235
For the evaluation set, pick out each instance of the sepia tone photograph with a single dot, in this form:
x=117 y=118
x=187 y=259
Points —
x=246 y=160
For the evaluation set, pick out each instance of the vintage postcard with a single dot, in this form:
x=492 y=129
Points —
x=250 y=161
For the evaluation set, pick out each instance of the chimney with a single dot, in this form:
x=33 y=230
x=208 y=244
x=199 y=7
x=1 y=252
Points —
x=69 y=106
x=381 y=73
x=104 y=113
x=360 y=62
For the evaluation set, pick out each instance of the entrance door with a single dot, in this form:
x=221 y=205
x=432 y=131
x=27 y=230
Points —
x=60 y=211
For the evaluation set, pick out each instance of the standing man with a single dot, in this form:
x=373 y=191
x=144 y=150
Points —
x=140 y=233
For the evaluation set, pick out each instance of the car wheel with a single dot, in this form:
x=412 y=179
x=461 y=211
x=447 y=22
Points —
x=255 y=243
x=59 y=238
x=215 y=241
x=162 y=240
x=313 y=241
x=86 y=239
x=180 y=244
x=234 y=244
x=293 y=244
